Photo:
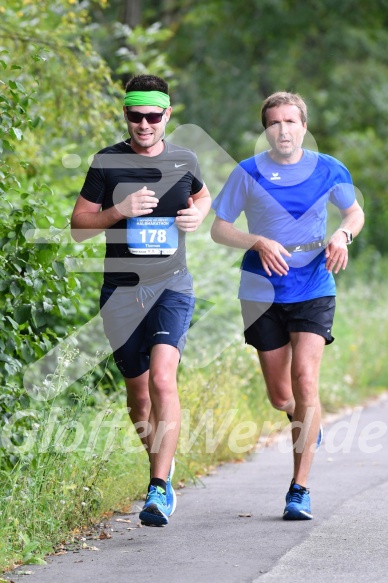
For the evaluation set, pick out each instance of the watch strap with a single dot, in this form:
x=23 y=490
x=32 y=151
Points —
x=349 y=236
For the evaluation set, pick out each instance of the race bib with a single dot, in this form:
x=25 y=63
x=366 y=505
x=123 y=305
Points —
x=152 y=235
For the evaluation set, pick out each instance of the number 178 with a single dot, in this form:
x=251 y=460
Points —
x=158 y=235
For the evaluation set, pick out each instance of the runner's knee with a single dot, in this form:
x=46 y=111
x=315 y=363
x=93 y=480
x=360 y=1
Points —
x=280 y=403
x=162 y=382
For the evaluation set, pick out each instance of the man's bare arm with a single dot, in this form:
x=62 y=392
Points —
x=271 y=252
x=88 y=220
x=337 y=250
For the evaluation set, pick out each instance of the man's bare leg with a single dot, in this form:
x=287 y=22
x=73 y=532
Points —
x=307 y=351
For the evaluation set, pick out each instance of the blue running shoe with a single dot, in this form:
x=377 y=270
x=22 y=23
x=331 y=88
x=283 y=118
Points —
x=320 y=432
x=170 y=492
x=297 y=503
x=155 y=510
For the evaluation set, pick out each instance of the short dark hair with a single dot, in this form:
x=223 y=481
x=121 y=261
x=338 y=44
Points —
x=147 y=83
x=283 y=98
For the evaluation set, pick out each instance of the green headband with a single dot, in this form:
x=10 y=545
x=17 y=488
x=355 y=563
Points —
x=147 y=98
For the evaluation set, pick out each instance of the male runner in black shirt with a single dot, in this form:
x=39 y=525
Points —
x=146 y=194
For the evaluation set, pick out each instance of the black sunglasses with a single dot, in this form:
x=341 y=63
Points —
x=153 y=117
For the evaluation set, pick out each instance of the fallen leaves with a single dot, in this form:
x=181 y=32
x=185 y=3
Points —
x=86 y=547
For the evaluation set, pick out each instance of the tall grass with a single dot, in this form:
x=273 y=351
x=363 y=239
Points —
x=52 y=488
x=355 y=367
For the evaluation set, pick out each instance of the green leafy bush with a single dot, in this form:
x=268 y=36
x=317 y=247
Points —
x=34 y=285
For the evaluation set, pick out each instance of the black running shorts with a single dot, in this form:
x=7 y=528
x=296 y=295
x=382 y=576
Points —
x=268 y=329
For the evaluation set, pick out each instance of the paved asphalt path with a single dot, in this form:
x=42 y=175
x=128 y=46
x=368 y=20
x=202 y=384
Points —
x=230 y=529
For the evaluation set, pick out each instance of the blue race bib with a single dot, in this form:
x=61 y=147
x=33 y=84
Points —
x=152 y=235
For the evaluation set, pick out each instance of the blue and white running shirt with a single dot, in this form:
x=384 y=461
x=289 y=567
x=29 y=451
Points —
x=286 y=203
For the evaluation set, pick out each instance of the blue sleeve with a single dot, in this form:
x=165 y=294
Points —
x=231 y=201
x=342 y=194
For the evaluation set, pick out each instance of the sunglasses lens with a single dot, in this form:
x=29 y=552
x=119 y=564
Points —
x=136 y=117
x=154 y=117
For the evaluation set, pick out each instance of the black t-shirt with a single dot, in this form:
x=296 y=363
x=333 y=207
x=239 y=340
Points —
x=117 y=171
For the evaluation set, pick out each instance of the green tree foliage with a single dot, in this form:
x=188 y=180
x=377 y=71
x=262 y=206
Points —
x=56 y=97
x=129 y=47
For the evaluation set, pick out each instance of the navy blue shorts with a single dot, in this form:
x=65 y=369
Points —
x=136 y=318
x=268 y=328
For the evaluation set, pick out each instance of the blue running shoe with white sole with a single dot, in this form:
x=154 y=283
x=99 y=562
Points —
x=320 y=433
x=170 y=492
x=297 y=503
x=155 y=511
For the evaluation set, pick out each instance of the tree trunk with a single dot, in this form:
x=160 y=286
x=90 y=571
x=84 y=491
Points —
x=131 y=12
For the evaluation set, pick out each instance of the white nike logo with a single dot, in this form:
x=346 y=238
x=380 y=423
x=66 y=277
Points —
x=179 y=165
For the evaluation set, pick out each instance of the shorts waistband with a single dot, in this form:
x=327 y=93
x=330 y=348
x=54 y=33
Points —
x=145 y=290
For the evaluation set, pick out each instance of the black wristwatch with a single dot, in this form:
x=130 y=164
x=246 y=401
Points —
x=349 y=236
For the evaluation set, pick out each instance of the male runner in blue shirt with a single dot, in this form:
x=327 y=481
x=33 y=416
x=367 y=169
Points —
x=287 y=288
